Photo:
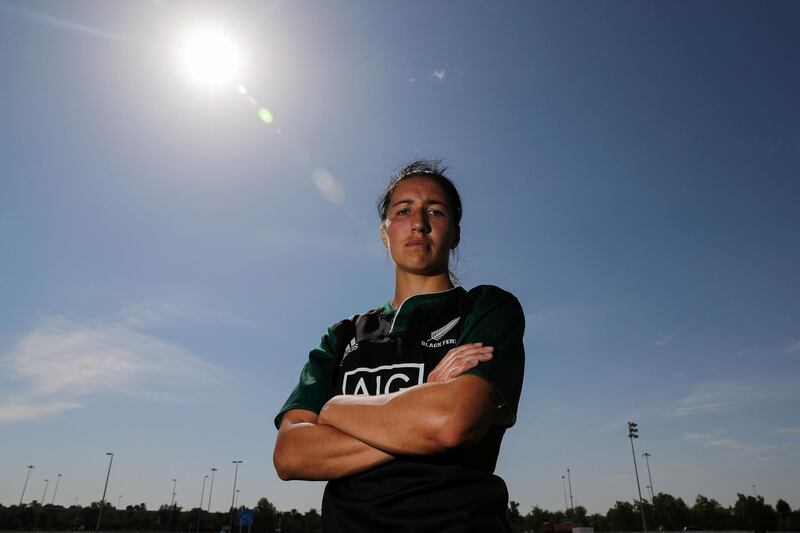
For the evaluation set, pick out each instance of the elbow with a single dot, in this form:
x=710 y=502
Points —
x=284 y=473
x=455 y=430
x=283 y=463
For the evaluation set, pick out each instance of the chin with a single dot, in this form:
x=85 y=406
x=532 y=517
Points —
x=423 y=270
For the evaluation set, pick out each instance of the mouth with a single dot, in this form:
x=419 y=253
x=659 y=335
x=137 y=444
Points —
x=416 y=243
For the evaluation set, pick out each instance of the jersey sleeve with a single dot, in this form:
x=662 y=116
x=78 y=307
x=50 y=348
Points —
x=313 y=389
x=496 y=319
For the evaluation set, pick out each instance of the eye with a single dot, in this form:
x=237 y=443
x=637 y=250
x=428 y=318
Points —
x=404 y=211
x=437 y=212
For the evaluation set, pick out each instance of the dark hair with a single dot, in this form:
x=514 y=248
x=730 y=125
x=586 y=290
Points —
x=429 y=168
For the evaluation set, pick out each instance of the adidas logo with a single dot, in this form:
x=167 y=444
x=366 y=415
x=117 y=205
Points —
x=351 y=347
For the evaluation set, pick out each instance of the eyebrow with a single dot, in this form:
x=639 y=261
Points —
x=410 y=201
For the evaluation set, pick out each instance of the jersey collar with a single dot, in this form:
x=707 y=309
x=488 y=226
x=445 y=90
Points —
x=410 y=304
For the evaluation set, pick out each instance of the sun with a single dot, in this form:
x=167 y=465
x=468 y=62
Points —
x=210 y=57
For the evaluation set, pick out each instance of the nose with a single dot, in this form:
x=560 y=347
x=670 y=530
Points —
x=420 y=222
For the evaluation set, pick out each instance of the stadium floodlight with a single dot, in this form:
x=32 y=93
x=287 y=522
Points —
x=633 y=433
x=233 y=496
x=103 y=500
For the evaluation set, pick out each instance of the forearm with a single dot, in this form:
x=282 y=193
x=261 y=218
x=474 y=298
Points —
x=313 y=451
x=421 y=420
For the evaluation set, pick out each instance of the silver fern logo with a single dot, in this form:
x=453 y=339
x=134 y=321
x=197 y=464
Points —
x=436 y=335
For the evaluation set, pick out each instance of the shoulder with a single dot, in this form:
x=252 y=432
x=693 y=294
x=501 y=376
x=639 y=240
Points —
x=346 y=329
x=352 y=320
x=490 y=292
x=493 y=304
x=485 y=297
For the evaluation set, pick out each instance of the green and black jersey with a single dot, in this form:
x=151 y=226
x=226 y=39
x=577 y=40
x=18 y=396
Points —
x=387 y=350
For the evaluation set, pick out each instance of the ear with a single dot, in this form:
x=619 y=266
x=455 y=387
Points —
x=384 y=236
x=456 y=237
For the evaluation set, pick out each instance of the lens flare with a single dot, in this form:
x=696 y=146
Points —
x=328 y=186
x=265 y=115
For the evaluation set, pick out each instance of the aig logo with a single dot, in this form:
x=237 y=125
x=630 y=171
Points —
x=383 y=379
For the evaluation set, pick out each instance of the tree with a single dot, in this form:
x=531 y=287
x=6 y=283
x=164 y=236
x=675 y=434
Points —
x=624 y=517
x=313 y=521
x=669 y=513
x=578 y=515
x=597 y=522
x=536 y=517
x=751 y=512
x=516 y=520
x=709 y=514
x=787 y=520
x=265 y=516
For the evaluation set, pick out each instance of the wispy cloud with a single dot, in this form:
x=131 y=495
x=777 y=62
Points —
x=730 y=445
x=711 y=440
x=21 y=410
x=791 y=431
x=666 y=339
x=713 y=397
x=61 y=364
x=793 y=348
x=438 y=74
x=152 y=313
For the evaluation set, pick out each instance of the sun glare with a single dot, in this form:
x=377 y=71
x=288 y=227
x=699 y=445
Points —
x=210 y=57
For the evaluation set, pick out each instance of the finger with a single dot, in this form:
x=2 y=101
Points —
x=467 y=347
x=460 y=369
x=473 y=352
x=470 y=348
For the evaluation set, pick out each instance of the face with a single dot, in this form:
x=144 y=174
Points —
x=419 y=229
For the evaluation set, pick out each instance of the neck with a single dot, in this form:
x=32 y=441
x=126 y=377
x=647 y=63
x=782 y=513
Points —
x=407 y=285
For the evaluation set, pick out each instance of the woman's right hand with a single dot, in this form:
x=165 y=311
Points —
x=459 y=360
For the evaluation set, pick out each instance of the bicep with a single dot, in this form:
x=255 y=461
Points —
x=501 y=326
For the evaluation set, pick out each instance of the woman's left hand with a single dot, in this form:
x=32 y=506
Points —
x=459 y=360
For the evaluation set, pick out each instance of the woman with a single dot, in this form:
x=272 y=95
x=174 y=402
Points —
x=403 y=407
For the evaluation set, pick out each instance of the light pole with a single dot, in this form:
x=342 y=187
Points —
x=564 y=483
x=172 y=504
x=25 y=486
x=647 y=461
x=633 y=433
x=200 y=509
x=119 y=501
x=103 y=500
x=41 y=504
x=754 y=491
x=233 y=495
x=203 y=491
x=211 y=489
x=571 y=502
x=55 y=490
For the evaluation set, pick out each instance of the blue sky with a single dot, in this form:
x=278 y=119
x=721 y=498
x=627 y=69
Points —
x=628 y=170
